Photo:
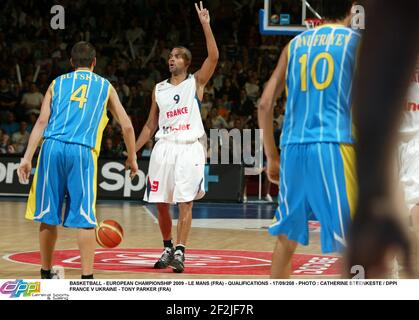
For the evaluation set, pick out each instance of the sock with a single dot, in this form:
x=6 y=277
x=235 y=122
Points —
x=180 y=247
x=46 y=274
x=90 y=276
x=168 y=243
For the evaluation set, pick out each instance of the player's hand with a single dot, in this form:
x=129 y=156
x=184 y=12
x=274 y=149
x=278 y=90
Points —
x=272 y=170
x=203 y=13
x=24 y=171
x=131 y=164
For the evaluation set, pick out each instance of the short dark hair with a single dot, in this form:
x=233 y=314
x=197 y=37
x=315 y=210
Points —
x=187 y=55
x=336 y=9
x=83 y=54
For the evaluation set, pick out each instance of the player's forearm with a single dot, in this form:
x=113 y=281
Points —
x=129 y=139
x=34 y=139
x=145 y=136
x=265 y=116
x=212 y=48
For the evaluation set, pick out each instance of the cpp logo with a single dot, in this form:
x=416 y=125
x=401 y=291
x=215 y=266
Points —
x=120 y=179
x=20 y=287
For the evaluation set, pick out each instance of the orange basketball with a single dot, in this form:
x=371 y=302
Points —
x=109 y=234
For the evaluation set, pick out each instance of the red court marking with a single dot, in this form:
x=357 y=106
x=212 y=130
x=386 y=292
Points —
x=222 y=262
x=314 y=226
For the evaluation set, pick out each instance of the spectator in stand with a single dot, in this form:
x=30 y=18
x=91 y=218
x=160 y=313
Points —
x=208 y=126
x=231 y=120
x=10 y=126
x=252 y=122
x=32 y=100
x=20 y=139
x=122 y=94
x=135 y=34
x=124 y=89
x=238 y=123
x=252 y=86
x=218 y=80
x=223 y=106
x=137 y=100
x=147 y=83
x=246 y=106
x=210 y=89
x=173 y=35
x=232 y=50
x=4 y=141
x=230 y=89
x=109 y=132
x=206 y=106
x=8 y=100
x=32 y=117
x=109 y=150
x=153 y=72
x=43 y=82
x=241 y=73
x=217 y=121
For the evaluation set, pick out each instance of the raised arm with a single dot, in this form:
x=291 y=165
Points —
x=25 y=166
x=273 y=90
x=118 y=111
x=204 y=74
x=151 y=125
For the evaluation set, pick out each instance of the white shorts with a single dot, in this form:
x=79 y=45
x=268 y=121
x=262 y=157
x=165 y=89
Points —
x=409 y=171
x=176 y=172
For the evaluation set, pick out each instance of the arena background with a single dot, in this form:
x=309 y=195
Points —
x=152 y=27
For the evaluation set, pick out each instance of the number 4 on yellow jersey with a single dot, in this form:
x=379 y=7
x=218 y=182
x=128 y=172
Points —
x=80 y=95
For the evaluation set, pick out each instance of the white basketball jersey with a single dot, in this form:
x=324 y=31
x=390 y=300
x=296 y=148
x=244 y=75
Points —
x=179 y=106
x=410 y=125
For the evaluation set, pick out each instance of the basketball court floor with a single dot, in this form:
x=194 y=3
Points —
x=227 y=241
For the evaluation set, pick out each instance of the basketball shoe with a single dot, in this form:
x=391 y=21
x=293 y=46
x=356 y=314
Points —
x=178 y=262
x=165 y=259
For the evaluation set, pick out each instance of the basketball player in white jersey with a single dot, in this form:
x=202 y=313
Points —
x=409 y=152
x=176 y=172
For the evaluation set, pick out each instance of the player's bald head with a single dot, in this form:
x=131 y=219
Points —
x=83 y=55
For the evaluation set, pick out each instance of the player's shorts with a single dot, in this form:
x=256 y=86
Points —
x=176 y=172
x=319 y=179
x=409 y=171
x=64 y=169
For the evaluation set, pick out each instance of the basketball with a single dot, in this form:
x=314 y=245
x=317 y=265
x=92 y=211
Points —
x=109 y=234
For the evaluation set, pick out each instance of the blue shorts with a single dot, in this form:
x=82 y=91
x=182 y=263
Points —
x=318 y=178
x=64 y=169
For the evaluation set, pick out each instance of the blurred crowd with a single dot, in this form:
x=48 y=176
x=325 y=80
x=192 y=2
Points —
x=133 y=39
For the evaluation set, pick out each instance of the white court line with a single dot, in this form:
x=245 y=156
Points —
x=150 y=214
